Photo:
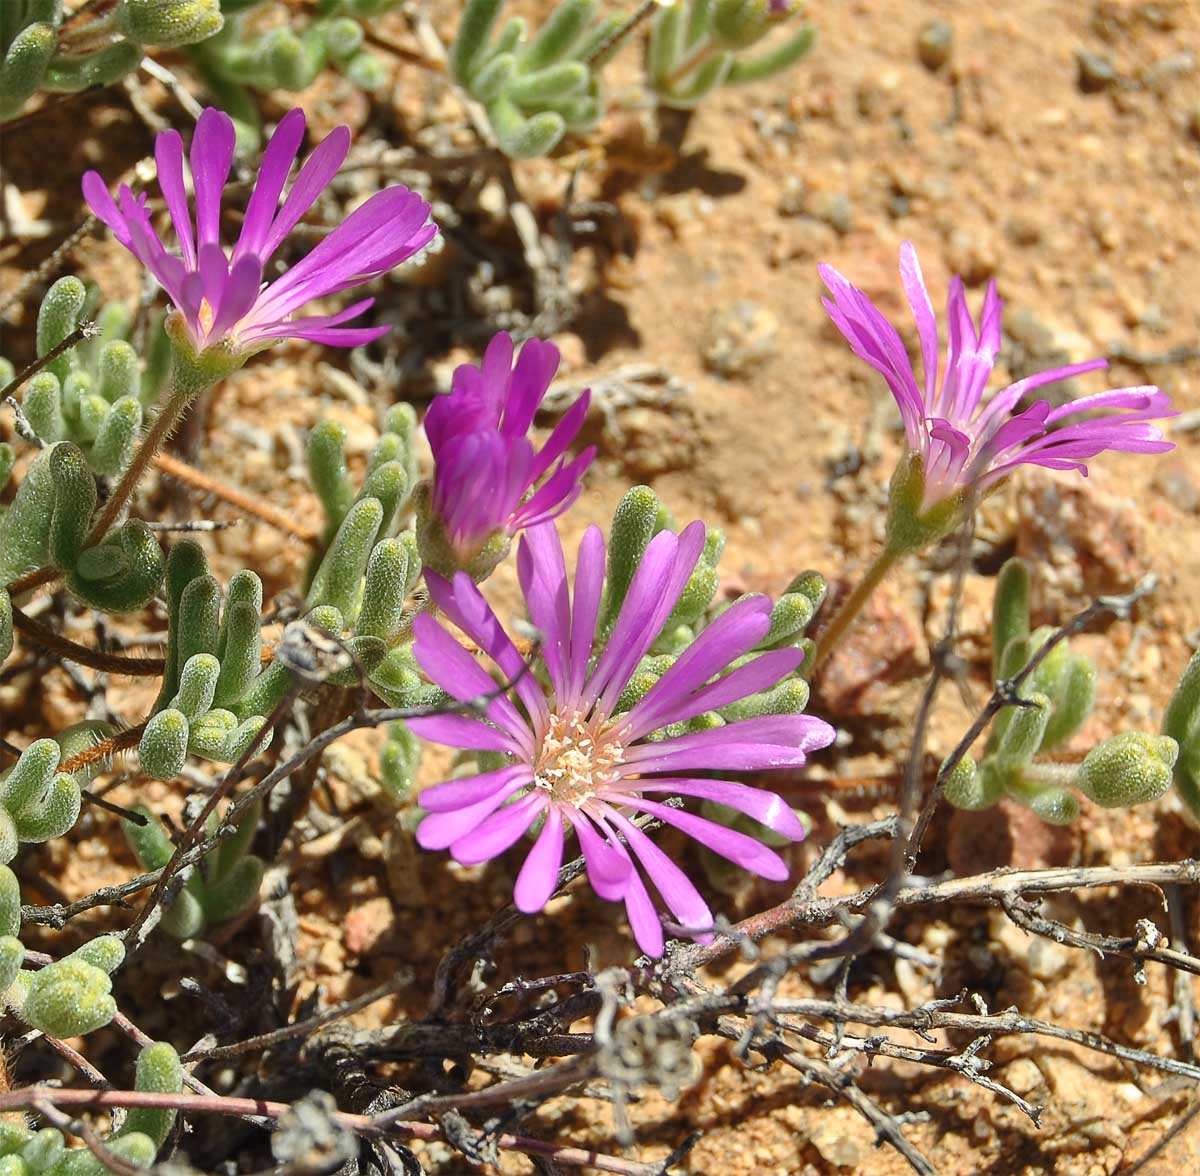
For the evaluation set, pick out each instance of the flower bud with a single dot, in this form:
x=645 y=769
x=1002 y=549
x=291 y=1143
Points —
x=1128 y=769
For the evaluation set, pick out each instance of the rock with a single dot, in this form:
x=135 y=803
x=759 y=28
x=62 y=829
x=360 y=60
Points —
x=1081 y=541
x=740 y=337
x=1096 y=72
x=935 y=42
x=972 y=253
x=884 y=645
x=1008 y=834
x=366 y=925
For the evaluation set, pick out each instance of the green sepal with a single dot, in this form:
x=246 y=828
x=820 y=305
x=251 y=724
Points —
x=911 y=526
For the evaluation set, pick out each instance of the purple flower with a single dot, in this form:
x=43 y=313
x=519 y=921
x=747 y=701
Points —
x=484 y=464
x=575 y=763
x=222 y=298
x=962 y=440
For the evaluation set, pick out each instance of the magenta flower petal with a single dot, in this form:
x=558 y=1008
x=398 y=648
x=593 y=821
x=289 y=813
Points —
x=536 y=881
x=273 y=172
x=486 y=472
x=739 y=848
x=582 y=765
x=211 y=159
x=499 y=831
x=470 y=790
x=168 y=155
x=211 y=289
x=962 y=440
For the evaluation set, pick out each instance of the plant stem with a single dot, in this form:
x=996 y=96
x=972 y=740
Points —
x=696 y=58
x=841 y=620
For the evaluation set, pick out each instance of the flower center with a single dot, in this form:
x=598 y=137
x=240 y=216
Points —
x=575 y=761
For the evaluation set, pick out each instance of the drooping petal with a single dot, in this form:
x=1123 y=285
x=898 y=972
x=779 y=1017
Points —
x=764 y=806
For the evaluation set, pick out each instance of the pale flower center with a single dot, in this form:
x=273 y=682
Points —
x=575 y=761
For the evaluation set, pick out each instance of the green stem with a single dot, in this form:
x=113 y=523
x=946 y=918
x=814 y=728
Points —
x=1038 y=777
x=849 y=609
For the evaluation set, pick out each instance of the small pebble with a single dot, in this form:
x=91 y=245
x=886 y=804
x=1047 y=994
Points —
x=1096 y=73
x=934 y=44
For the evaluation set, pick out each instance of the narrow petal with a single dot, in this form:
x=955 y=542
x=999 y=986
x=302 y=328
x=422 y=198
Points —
x=761 y=804
x=498 y=832
x=273 y=172
x=740 y=849
x=542 y=572
x=464 y=732
x=211 y=158
x=445 y=830
x=539 y=874
x=168 y=155
x=319 y=168
x=456 y=671
x=738 y=629
x=104 y=207
x=608 y=865
x=470 y=790
x=922 y=309
x=682 y=898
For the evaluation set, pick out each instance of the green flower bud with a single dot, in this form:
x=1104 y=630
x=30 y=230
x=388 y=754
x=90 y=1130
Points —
x=1128 y=769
